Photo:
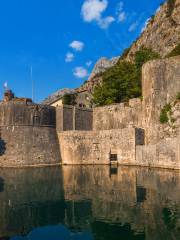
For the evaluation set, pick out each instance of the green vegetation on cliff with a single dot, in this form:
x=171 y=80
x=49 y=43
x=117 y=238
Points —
x=119 y=84
x=69 y=99
x=164 y=113
x=171 y=5
x=178 y=96
x=175 y=51
x=122 y=81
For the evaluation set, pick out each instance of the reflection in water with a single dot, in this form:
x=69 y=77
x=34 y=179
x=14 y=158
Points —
x=89 y=202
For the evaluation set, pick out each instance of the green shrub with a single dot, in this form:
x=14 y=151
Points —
x=122 y=81
x=178 y=96
x=171 y=4
x=174 y=52
x=69 y=99
x=144 y=55
x=164 y=113
x=119 y=84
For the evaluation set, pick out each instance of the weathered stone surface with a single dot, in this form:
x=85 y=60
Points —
x=164 y=154
x=96 y=147
x=160 y=83
x=73 y=118
x=162 y=33
x=118 y=115
x=27 y=135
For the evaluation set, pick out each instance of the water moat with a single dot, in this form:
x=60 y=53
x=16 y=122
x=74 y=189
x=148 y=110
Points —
x=89 y=203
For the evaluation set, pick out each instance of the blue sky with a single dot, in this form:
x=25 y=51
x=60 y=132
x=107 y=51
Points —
x=63 y=39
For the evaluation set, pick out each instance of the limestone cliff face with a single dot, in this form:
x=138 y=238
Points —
x=101 y=66
x=162 y=33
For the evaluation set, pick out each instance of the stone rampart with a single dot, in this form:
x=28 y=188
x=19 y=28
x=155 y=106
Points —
x=21 y=114
x=112 y=125
x=160 y=85
x=165 y=154
x=27 y=135
x=118 y=116
x=70 y=118
x=97 y=147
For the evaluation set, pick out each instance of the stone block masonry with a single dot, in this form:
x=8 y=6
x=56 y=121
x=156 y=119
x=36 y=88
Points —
x=118 y=116
x=164 y=154
x=97 y=147
x=160 y=85
x=129 y=133
x=70 y=118
x=28 y=135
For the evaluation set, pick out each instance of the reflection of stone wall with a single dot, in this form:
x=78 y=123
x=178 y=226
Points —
x=141 y=197
x=133 y=200
x=31 y=198
x=95 y=147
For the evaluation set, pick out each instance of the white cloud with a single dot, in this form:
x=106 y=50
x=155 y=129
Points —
x=158 y=9
x=88 y=63
x=119 y=7
x=105 y=22
x=145 y=24
x=121 y=15
x=69 y=57
x=133 y=26
x=80 y=72
x=77 y=45
x=92 y=10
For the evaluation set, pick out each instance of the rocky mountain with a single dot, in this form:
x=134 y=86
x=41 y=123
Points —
x=57 y=95
x=102 y=64
x=161 y=34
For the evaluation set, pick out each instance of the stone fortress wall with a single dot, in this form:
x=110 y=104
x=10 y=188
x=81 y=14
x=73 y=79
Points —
x=69 y=118
x=125 y=134
x=115 y=126
x=27 y=135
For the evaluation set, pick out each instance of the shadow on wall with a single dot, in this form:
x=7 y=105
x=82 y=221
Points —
x=1 y=185
x=2 y=147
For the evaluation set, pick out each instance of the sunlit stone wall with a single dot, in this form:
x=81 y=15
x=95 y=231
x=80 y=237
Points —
x=96 y=147
x=27 y=135
x=70 y=118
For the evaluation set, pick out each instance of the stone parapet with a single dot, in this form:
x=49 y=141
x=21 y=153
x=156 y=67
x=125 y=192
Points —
x=70 y=118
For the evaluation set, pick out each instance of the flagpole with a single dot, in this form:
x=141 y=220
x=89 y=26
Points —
x=32 y=82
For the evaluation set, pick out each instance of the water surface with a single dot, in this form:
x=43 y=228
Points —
x=89 y=203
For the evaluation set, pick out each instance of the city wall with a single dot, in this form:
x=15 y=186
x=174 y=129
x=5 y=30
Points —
x=97 y=147
x=128 y=133
x=69 y=118
x=118 y=116
x=27 y=135
x=112 y=125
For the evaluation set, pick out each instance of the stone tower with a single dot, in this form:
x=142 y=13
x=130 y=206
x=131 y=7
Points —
x=27 y=133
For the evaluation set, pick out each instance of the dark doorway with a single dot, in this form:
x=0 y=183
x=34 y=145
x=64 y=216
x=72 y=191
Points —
x=113 y=157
